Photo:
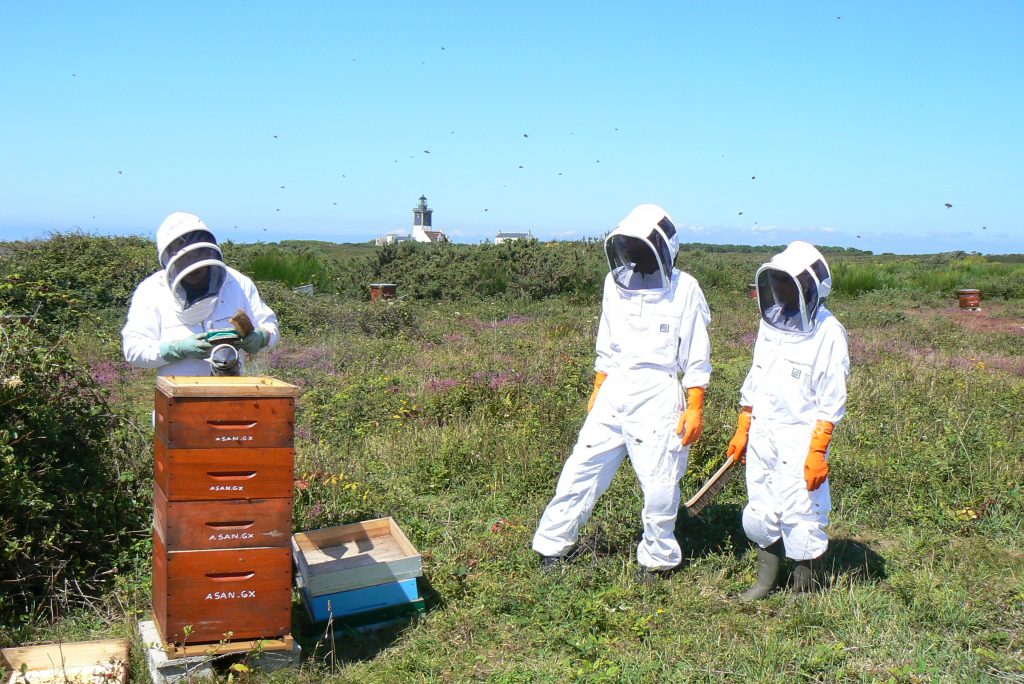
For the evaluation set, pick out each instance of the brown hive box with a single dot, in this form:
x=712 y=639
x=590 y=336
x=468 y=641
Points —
x=244 y=592
x=223 y=484
x=209 y=525
x=219 y=474
x=217 y=412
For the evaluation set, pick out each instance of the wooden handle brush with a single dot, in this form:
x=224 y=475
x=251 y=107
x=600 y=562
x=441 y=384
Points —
x=713 y=486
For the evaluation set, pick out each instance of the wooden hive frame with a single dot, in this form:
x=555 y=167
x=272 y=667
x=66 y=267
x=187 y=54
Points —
x=80 y=662
x=361 y=554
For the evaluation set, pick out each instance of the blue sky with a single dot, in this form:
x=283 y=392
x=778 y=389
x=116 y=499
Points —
x=848 y=123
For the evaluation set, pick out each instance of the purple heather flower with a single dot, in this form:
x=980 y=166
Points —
x=505 y=378
x=439 y=385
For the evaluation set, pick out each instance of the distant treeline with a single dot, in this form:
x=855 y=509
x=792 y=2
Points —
x=74 y=272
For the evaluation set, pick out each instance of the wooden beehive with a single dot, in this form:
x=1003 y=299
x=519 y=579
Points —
x=970 y=299
x=222 y=504
x=385 y=291
x=348 y=557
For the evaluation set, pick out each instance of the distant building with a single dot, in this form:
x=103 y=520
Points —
x=422 y=230
x=392 y=238
x=505 y=236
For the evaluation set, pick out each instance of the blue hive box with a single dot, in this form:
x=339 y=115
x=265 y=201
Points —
x=357 y=568
x=356 y=601
x=371 y=620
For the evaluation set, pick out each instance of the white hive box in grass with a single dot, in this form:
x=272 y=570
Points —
x=82 y=662
x=362 y=554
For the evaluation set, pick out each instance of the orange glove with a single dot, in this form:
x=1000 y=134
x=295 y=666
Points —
x=599 y=379
x=816 y=467
x=738 y=443
x=691 y=423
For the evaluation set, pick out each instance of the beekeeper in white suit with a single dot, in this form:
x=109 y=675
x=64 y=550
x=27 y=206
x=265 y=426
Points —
x=193 y=293
x=791 y=400
x=653 y=327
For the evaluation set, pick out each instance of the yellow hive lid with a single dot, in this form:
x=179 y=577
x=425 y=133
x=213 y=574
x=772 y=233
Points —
x=224 y=386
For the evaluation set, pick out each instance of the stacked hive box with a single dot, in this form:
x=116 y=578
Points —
x=358 y=574
x=222 y=501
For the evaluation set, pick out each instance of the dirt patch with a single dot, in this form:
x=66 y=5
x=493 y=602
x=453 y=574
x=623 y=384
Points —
x=992 y=318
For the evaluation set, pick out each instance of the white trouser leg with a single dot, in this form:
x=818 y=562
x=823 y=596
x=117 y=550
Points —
x=779 y=506
x=761 y=516
x=659 y=460
x=587 y=473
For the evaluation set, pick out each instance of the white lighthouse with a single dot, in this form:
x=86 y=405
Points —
x=422 y=230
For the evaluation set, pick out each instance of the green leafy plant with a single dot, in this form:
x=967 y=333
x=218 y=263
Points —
x=64 y=505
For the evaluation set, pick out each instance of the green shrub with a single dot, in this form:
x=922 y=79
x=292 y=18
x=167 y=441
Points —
x=524 y=268
x=319 y=313
x=345 y=411
x=71 y=272
x=304 y=313
x=65 y=505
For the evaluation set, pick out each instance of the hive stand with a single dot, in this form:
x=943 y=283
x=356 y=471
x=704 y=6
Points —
x=169 y=663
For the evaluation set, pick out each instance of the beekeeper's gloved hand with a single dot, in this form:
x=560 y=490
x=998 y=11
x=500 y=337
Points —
x=191 y=347
x=738 y=443
x=254 y=341
x=691 y=423
x=816 y=466
x=599 y=379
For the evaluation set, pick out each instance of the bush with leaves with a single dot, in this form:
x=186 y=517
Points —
x=69 y=273
x=523 y=268
x=65 y=504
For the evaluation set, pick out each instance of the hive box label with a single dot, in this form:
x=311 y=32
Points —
x=228 y=595
x=231 y=536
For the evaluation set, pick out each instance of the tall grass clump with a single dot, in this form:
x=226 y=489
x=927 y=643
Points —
x=941 y=275
x=293 y=268
x=853 y=279
x=1004 y=280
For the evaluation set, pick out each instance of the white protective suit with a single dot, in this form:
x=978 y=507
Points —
x=646 y=337
x=797 y=378
x=156 y=316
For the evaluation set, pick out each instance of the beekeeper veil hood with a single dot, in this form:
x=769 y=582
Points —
x=792 y=286
x=642 y=249
x=194 y=264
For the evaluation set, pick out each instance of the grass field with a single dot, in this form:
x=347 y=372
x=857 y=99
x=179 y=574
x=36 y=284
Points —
x=455 y=417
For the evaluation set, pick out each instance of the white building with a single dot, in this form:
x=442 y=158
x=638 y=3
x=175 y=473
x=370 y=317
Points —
x=392 y=238
x=505 y=236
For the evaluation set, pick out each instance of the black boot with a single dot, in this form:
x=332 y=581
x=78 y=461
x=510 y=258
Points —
x=551 y=564
x=805 y=576
x=646 y=576
x=768 y=562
